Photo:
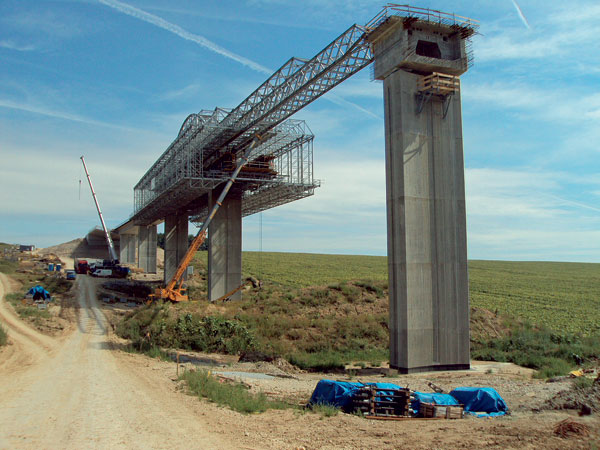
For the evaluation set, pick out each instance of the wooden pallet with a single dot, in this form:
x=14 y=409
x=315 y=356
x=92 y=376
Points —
x=380 y=402
x=441 y=411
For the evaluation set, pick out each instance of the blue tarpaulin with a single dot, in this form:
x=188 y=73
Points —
x=436 y=399
x=339 y=393
x=38 y=292
x=481 y=402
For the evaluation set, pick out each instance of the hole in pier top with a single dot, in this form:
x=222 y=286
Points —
x=429 y=49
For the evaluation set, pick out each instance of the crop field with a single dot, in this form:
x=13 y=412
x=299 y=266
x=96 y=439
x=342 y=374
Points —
x=564 y=297
x=297 y=270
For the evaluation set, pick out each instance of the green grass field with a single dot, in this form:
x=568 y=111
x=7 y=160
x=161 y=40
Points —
x=564 y=297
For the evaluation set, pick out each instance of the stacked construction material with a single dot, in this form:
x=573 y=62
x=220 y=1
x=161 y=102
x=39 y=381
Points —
x=431 y=410
x=372 y=401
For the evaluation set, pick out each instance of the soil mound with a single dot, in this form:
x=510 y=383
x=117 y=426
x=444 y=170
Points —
x=77 y=248
x=577 y=399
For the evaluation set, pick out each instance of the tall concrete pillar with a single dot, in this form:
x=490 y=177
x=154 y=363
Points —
x=127 y=249
x=176 y=243
x=147 y=248
x=225 y=247
x=427 y=245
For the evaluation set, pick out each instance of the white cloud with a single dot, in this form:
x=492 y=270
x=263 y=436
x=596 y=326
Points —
x=528 y=214
x=11 y=45
x=558 y=103
x=47 y=183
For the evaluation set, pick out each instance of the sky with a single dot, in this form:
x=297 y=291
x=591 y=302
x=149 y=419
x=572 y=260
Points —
x=114 y=81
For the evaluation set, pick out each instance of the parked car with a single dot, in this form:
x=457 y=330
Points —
x=71 y=275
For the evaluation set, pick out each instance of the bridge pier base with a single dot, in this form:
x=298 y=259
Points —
x=225 y=247
x=176 y=243
x=147 y=248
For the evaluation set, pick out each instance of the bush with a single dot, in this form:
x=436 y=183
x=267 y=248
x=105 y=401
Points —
x=153 y=325
x=320 y=361
x=3 y=336
x=551 y=354
x=235 y=396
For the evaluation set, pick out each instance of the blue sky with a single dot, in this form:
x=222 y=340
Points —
x=114 y=81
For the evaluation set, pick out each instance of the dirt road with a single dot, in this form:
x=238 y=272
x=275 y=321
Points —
x=74 y=392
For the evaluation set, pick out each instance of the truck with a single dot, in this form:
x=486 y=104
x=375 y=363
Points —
x=81 y=266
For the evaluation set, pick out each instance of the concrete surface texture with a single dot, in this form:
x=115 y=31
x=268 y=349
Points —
x=225 y=247
x=176 y=243
x=147 y=248
x=427 y=251
x=128 y=249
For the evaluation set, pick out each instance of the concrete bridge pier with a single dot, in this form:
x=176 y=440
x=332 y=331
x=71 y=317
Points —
x=427 y=242
x=176 y=243
x=147 y=248
x=225 y=246
x=127 y=248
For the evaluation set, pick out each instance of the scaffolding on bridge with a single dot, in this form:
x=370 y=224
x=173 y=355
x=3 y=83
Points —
x=281 y=168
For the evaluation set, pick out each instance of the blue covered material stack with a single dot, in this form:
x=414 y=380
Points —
x=435 y=399
x=339 y=393
x=481 y=402
x=39 y=293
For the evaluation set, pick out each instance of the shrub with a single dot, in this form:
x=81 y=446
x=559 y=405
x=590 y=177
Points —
x=3 y=336
x=325 y=410
x=154 y=326
x=320 y=361
x=551 y=354
x=235 y=396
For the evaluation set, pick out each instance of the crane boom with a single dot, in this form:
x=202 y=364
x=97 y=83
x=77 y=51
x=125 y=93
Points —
x=109 y=241
x=173 y=290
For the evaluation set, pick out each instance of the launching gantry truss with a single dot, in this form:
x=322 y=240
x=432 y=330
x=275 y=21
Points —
x=280 y=170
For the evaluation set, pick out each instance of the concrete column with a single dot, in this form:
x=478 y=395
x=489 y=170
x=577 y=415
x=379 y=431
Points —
x=147 y=248
x=427 y=246
x=127 y=249
x=176 y=243
x=225 y=247
x=427 y=243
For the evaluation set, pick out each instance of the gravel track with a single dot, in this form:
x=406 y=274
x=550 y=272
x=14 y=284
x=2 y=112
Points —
x=76 y=393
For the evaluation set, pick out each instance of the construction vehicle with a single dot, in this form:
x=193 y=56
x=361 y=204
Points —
x=112 y=264
x=81 y=266
x=174 y=290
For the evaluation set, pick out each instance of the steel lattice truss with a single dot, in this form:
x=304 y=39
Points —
x=187 y=169
x=193 y=164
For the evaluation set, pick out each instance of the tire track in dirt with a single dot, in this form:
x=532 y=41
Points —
x=86 y=396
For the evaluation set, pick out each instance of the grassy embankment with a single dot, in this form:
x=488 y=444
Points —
x=323 y=311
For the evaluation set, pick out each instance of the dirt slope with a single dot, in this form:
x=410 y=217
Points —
x=75 y=393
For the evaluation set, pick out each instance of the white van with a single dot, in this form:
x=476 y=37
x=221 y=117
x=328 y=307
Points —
x=102 y=273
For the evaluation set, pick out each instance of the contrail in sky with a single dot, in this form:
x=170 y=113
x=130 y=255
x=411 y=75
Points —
x=202 y=41
x=571 y=202
x=175 y=29
x=520 y=13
